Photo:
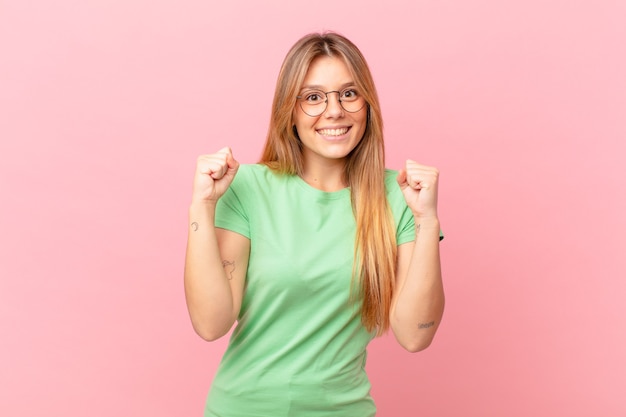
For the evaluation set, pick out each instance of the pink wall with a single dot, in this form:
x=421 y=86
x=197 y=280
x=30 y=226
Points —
x=105 y=104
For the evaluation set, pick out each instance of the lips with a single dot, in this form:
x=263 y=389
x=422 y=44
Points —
x=333 y=132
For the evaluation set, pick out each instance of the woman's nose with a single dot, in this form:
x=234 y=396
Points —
x=333 y=105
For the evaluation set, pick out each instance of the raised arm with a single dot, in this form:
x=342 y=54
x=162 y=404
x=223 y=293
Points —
x=216 y=259
x=418 y=302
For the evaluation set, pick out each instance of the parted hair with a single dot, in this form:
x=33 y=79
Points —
x=375 y=244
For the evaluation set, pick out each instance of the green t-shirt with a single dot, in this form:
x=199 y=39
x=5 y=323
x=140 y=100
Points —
x=299 y=347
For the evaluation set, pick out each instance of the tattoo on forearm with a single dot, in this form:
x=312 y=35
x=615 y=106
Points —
x=425 y=325
x=194 y=226
x=229 y=266
x=417 y=229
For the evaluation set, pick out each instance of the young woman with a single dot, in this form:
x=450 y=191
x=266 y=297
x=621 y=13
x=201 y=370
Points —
x=313 y=251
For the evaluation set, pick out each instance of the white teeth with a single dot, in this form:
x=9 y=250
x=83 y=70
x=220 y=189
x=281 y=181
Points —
x=333 y=132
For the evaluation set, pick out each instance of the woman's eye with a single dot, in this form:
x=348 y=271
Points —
x=313 y=97
x=350 y=94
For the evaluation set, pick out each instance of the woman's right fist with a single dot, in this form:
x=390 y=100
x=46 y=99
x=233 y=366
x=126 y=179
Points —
x=214 y=174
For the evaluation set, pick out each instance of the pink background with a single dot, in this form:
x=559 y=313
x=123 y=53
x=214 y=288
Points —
x=105 y=104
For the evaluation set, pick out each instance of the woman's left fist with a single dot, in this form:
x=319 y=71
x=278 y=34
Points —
x=419 y=185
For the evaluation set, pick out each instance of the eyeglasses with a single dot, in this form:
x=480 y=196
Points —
x=314 y=102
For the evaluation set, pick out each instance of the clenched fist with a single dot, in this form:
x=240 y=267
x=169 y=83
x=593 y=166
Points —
x=419 y=184
x=214 y=174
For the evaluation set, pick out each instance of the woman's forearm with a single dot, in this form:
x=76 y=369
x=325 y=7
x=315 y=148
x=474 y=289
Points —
x=419 y=302
x=207 y=288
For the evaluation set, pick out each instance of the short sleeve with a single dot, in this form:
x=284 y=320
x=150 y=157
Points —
x=230 y=212
x=405 y=231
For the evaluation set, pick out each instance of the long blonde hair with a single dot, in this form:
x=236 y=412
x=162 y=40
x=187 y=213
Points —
x=375 y=246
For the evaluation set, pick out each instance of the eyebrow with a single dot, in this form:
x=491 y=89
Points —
x=322 y=88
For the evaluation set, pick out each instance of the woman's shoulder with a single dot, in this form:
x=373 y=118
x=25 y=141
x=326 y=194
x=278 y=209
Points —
x=394 y=193
x=254 y=175
x=251 y=170
x=390 y=180
x=390 y=174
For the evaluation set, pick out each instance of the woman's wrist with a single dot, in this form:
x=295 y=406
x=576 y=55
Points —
x=427 y=226
x=427 y=222
x=201 y=210
x=202 y=205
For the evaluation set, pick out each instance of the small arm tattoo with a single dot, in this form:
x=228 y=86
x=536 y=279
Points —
x=229 y=266
x=425 y=325
x=194 y=226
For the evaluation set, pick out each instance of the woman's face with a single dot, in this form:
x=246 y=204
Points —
x=333 y=134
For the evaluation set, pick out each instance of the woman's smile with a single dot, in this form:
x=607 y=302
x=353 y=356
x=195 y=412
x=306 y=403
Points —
x=336 y=133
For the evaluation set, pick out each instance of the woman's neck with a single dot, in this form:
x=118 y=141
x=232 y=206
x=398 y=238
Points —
x=327 y=176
